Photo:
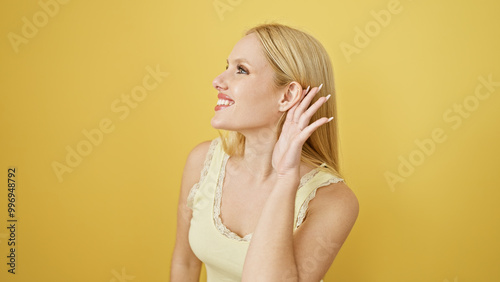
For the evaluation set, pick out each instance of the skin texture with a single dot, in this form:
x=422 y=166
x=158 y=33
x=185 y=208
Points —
x=249 y=84
x=270 y=170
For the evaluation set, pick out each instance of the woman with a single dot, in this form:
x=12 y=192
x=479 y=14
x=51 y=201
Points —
x=246 y=205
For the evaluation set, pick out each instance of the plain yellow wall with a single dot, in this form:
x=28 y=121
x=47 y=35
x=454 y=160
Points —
x=418 y=119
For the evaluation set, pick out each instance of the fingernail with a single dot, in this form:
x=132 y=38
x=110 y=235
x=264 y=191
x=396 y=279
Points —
x=330 y=119
x=328 y=97
x=319 y=88
x=308 y=88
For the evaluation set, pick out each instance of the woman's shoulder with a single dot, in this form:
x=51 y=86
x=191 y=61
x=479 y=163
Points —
x=198 y=154
x=336 y=197
x=196 y=160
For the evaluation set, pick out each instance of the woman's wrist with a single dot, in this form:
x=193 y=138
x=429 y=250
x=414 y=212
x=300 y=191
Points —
x=288 y=182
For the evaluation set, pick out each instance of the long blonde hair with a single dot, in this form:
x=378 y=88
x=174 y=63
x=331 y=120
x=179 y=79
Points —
x=297 y=56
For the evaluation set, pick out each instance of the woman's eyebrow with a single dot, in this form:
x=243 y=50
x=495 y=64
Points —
x=240 y=60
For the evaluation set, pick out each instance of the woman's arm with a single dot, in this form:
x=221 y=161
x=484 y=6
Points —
x=275 y=252
x=185 y=266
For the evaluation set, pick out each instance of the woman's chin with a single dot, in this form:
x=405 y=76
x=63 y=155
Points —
x=217 y=124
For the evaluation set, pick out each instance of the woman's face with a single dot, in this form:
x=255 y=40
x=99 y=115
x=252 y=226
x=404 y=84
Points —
x=247 y=90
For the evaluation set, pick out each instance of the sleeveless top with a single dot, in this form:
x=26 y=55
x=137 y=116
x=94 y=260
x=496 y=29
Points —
x=222 y=251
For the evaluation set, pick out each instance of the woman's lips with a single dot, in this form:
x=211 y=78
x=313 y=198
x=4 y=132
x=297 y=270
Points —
x=223 y=102
x=224 y=96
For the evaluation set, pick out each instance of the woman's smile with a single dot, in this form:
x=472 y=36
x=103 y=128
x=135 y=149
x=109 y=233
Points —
x=223 y=102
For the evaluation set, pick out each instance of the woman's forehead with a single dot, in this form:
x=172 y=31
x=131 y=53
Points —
x=248 y=50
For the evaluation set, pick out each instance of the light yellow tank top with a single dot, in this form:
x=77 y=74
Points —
x=222 y=251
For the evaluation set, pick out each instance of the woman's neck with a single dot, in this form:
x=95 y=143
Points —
x=257 y=157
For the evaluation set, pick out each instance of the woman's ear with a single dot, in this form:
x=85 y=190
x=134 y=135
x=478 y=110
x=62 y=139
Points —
x=291 y=96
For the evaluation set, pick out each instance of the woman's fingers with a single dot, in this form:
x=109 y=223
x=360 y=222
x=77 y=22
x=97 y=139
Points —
x=300 y=114
x=307 y=132
x=291 y=111
x=306 y=117
x=306 y=101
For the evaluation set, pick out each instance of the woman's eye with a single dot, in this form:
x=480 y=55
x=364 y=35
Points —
x=242 y=69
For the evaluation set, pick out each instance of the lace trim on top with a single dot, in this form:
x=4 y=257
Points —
x=204 y=172
x=218 y=197
x=303 y=208
x=217 y=205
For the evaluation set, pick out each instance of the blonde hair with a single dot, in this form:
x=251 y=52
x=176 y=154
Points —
x=297 y=56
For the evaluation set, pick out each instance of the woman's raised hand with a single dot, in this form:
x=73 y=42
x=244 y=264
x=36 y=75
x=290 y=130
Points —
x=296 y=130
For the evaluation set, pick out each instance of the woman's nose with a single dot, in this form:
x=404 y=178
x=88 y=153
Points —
x=219 y=82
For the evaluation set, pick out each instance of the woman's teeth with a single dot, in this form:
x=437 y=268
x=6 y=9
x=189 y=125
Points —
x=224 y=102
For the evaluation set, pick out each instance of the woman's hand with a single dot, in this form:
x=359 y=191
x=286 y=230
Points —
x=296 y=130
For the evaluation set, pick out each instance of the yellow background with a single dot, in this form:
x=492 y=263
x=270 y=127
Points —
x=113 y=216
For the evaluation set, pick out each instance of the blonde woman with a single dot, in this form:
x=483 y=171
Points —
x=265 y=201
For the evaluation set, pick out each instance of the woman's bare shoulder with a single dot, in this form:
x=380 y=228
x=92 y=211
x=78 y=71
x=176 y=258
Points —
x=197 y=155
x=194 y=163
x=336 y=199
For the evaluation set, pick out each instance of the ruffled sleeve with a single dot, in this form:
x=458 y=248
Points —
x=204 y=171
x=303 y=208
